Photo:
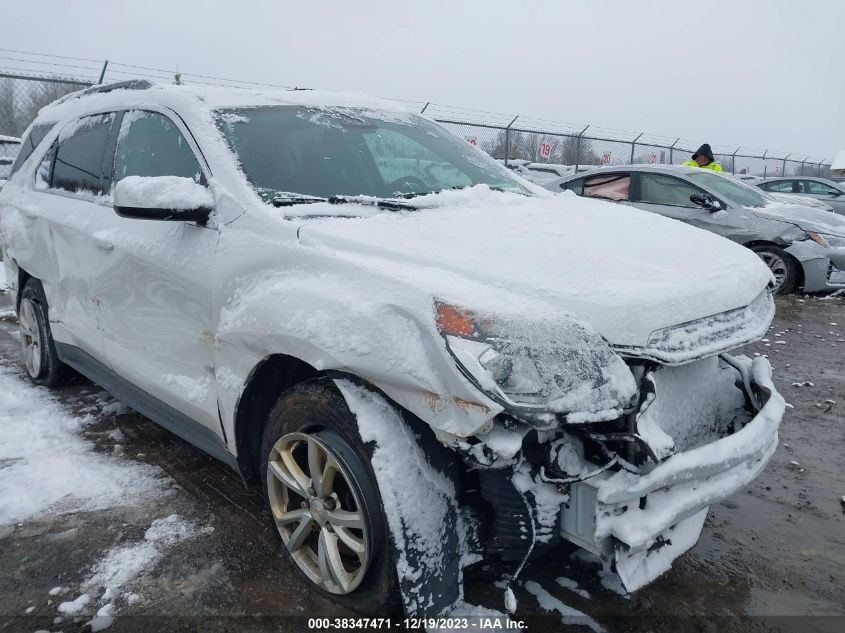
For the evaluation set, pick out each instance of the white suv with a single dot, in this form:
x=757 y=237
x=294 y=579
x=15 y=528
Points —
x=418 y=357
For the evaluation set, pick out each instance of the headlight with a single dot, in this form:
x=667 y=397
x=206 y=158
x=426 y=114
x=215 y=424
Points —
x=559 y=366
x=833 y=241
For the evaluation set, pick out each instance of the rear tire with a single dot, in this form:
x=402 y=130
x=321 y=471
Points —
x=39 y=350
x=784 y=267
x=313 y=421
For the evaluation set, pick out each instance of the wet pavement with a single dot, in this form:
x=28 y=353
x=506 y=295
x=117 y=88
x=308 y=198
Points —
x=770 y=558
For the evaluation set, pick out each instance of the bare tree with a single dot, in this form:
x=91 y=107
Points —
x=21 y=99
x=8 y=111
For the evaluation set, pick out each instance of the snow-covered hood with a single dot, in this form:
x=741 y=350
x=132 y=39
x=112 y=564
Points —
x=624 y=272
x=808 y=218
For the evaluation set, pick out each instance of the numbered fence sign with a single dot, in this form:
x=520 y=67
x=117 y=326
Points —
x=472 y=140
x=545 y=150
x=605 y=158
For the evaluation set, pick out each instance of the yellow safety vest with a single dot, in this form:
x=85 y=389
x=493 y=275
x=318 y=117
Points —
x=714 y=165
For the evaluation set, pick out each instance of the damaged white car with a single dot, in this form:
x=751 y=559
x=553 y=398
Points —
x=419 y=358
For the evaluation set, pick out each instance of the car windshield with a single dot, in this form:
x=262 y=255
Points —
x=286 y=150
x=736 y=192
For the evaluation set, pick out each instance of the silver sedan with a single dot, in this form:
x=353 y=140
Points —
x=827 y=191
x=803 y=247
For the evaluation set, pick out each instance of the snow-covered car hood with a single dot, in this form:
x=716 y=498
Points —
x=625 y=272
x=808 y=218
x=803 y=201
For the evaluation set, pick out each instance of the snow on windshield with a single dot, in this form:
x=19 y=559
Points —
x=348 y=151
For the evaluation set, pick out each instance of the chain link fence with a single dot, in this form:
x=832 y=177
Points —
x=563 y=147
x=22 y=96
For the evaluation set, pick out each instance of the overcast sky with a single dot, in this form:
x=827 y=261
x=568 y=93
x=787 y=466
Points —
x=757 y=74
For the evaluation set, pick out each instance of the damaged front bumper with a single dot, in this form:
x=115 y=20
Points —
x=647 y=519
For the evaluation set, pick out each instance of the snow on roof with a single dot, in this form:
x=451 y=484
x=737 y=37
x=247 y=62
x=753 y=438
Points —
x=214 y=97
x=9 y=139
x=839 y=161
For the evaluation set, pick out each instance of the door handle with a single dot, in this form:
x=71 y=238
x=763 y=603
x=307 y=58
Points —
x=104 y=245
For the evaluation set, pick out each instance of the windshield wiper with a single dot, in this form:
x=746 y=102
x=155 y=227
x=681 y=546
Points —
x=417 y=194
x=391 y=205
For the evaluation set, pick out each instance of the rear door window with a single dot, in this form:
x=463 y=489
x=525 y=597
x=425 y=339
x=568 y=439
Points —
x=615 y=187
x=80 y=164
x=150 y=144
x=666 y=190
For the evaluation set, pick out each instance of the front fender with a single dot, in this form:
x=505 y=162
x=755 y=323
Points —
x=333 y=324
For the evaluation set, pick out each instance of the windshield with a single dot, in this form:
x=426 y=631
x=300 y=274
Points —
x=738 y=193
x=346 y=151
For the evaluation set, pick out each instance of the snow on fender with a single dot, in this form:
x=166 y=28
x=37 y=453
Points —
x=426 y=526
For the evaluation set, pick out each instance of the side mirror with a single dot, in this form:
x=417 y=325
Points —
x=706 y=202
x=167 y=198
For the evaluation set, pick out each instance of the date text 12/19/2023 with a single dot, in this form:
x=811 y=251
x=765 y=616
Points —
x=473 y=623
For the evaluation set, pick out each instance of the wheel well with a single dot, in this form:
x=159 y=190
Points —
x=23 y=277
x=755 y=243
x=271 y=377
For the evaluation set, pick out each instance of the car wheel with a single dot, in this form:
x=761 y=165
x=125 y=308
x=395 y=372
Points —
x=39 y=351
x=784 y=267
x=324 y=500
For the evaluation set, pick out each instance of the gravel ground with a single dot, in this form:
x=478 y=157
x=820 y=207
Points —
x=771 y=558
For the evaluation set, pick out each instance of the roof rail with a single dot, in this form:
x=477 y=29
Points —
x=130 y=84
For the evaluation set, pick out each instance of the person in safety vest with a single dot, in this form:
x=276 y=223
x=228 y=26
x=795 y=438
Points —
x=704 y=158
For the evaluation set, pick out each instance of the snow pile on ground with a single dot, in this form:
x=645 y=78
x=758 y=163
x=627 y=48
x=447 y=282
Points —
x=568 y=615
x=479 y=617
x=568 y=583
x=45 y=466
x=123 y=564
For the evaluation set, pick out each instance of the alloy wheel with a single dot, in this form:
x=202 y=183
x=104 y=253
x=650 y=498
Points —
x=776 y=265
x=318 y=511
x=30 y=338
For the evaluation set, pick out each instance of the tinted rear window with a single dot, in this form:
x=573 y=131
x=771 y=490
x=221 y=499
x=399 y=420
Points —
x=30 y=142
x=80 y=163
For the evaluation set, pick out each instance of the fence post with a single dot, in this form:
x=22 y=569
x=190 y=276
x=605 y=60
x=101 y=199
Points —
x=784 y=163
x=802 y=165
x=508 y=140
x=733 y=161
x=633 y=145
x=103 y=71
x=578 y=148
x=819 y=168
x=672 y=151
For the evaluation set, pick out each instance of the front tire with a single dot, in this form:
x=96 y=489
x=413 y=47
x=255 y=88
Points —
x=324 y=500
x=784 y=267
x=39 y=350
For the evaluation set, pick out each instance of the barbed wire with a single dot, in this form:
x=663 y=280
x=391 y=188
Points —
x=436 y=110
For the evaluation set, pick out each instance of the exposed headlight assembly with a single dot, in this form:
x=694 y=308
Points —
x=559 y=367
